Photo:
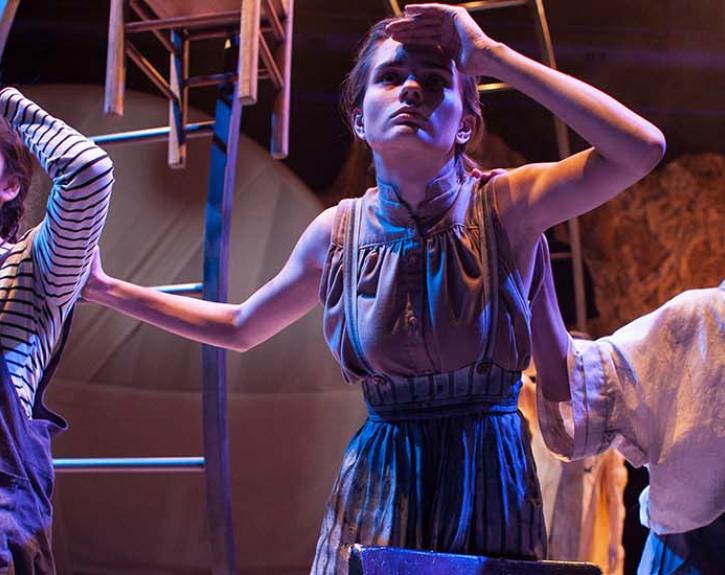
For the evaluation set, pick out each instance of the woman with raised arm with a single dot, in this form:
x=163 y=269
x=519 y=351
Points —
x=652 y=390
x=41 y=274
x=424 y=283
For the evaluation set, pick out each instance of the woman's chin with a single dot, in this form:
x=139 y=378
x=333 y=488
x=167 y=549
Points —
x=408 y=139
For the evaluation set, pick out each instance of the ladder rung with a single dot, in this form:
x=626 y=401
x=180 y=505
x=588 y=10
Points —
x=275 y=24
x=214 y=34
x=152 y=134
x=218 y=79
x=185 y=22
x=210 y=80
x=269 y=63
x=482 y=5
x=490 y=87
x=179 y=289
x=473 y=6
x=128 y=464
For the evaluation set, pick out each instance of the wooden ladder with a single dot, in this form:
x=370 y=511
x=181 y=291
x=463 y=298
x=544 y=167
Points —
x=257 y=38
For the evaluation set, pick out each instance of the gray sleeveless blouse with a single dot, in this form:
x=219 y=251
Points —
x=424 y=284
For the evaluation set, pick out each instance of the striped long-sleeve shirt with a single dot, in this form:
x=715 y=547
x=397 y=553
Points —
x=42 y=274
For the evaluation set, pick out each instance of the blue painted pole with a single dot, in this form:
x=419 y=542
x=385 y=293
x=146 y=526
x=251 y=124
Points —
x=181 y=289
x=108 y=464
x=222 y=172
x=152 y=134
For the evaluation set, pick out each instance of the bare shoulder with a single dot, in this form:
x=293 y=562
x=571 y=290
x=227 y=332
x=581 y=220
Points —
x=509 y=191
x=320 y=229
x=314 y=243
x=514 y=188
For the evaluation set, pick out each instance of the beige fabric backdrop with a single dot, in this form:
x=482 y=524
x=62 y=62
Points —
x=131 y=390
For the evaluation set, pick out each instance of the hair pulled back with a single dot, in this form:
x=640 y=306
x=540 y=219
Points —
x=18 y=165
x=355 y=83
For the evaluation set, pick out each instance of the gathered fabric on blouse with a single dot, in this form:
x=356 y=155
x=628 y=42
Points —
x=411 y=301
x=420 y=285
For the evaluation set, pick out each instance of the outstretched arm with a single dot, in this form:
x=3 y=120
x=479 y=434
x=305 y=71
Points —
x=82 y=176
x=532 y=198
x=287 y=297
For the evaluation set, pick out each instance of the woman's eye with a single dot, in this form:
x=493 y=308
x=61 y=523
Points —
x=435 y=81
x=389 y=77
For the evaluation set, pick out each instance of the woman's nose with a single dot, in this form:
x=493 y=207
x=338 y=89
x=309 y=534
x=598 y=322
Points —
x=411 y=91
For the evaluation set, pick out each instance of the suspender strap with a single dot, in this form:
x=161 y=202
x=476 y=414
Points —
x=489 y=268
x=353 y=223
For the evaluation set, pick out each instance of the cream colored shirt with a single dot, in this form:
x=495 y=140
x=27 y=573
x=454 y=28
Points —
x=654 y=390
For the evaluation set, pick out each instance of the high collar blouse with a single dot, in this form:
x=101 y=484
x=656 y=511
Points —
x=420 y=295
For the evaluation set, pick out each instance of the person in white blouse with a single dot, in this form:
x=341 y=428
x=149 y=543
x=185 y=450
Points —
x=653 y=390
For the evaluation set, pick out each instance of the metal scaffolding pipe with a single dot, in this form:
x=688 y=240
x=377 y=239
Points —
x=125 y=464
x=491 y=87
x=181 y=289
x=196 y=129
x=482 y=5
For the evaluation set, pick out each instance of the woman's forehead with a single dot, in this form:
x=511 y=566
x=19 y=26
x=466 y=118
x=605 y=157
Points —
x=391 y=52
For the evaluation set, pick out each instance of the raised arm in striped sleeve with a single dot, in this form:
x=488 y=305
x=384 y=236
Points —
x=82 y=176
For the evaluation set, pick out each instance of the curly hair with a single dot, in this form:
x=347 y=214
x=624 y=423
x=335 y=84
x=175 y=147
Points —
x=19 y=165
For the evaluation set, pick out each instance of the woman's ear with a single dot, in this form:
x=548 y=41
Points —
x=465 y=129
x=358 y=125
x=9 y=189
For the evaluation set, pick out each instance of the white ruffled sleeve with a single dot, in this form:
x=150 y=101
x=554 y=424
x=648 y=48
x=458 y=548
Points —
x=594 y=419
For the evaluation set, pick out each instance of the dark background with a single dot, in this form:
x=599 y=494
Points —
x=665 y=59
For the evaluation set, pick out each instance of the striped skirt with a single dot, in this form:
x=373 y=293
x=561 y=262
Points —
x=461 y=479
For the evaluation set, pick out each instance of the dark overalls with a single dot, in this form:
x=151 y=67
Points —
x=26 y=476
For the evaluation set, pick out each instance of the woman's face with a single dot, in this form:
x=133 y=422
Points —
x=9 y=182
x=412 y=101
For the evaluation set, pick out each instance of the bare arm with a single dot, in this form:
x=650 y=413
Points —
x=285 y=298
x=625 y=147
x=532 y=198
x=550 y=340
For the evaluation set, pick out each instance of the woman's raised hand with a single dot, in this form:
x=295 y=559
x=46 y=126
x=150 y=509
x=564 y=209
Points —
x=450 y=27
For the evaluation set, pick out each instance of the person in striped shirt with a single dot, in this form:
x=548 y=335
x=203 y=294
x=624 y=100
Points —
x=41 y=275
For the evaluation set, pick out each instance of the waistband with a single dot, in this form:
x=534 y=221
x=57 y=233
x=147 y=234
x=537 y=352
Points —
x=477 y=388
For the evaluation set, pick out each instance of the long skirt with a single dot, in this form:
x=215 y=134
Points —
x=458 y=484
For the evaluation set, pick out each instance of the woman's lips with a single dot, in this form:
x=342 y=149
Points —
x=408 y=116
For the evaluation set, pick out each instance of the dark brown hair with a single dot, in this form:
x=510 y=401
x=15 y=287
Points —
x=19 y=165
x=355 y=83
